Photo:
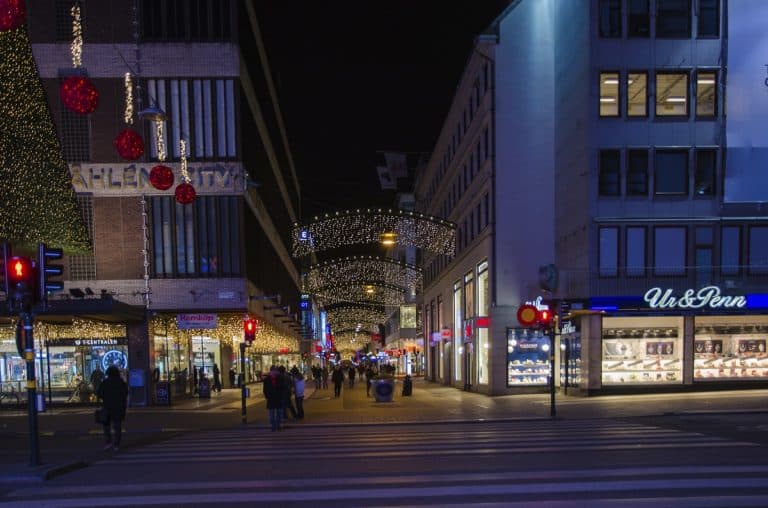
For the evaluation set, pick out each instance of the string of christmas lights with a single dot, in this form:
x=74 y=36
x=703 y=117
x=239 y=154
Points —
x=366 y=226
x=350 y=269
x=128 y=99
x=376 y=293
x=76 y=47
x=349 y=317
x=39 y=203
x=183 y=155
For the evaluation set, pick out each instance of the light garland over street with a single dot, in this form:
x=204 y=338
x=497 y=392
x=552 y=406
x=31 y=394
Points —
x=351 y=269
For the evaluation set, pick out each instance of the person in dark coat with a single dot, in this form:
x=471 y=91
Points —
x=231 y=377
x=113 y=391
x=338 y=379
x=274 y=390
x=216 y=378
x=287 y=401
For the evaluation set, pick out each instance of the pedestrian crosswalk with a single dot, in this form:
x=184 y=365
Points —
x=512 y=463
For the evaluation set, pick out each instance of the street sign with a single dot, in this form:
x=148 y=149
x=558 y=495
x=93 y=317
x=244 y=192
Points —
x=527 y=315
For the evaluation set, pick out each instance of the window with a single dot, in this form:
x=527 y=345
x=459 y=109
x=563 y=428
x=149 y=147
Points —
x=637 y=94
x=730 y=250
x=200 y=110
x=83 y=266
x=457 y=331
x=608 y=251
x=704 y=176
x=639 y=19
x=669 y=251
x=637 y=172
x=706 y=94
x=635 y=252
x=483 y=289
x=486 y=144
x=183 y=20
x=709 y=18
x=758 y=250
x=200 y=240
x=469 y=295
x=610 y=179
x=486 y=203
x=704 y=256
x=673 y=19
x=610 y=18
x=609 y=94
x=671 y=94
x=671 y=175
x=75 y=135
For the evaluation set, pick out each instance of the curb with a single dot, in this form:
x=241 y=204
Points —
x=42 y=473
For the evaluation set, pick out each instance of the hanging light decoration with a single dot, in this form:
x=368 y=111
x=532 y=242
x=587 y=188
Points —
x=78 y=93
x=12 y=14
x=129 y=145
x=353 y=268
x=185 y=192
x=128 y=99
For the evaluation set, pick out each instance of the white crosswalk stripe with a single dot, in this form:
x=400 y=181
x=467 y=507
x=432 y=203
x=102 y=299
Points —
x=678 y=485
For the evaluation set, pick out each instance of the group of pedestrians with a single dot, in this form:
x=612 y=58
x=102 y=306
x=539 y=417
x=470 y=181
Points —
x=280 y=386
x=340 y=373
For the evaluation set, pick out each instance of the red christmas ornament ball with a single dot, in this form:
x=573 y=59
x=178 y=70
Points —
x=129 y=145
x=185 y=193
x=79 y=94
x=12 y=14
x=161 y=177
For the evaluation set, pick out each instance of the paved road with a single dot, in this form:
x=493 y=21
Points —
x=532 y=463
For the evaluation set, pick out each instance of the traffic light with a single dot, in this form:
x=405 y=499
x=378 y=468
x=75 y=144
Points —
x=249 y=328
x=20 y=279
x=48 y=273
x=544 y=318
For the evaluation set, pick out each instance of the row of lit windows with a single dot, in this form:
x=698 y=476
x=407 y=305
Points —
x=669 y=176
x=630 y=94
x=465 y=178
x=626 y=251
x=674 y=19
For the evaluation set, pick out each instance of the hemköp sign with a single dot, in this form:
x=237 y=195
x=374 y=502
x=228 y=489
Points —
x=708 y=296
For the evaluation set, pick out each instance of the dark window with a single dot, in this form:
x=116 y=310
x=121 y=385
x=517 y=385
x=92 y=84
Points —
x=673 y=19
x=758 y=250
x=610 y=173
x=486 y=144
x=671 y=175
x=709 y=18
x=636 y=251
x=704 y=177
x=486 y=203
x=185 y=20
x=477 y=214
x=202 y=239
x=669 y=250
x=608 y=252
x=637 y=172
x=704 y=256
x=610 y=18
x=730 y=250
x=639 y=18
x=75 y=136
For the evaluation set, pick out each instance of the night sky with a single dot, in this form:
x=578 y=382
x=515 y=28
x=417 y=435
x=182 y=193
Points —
x=354 y=78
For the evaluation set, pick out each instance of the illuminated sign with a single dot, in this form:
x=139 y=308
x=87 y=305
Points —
x=708 y=296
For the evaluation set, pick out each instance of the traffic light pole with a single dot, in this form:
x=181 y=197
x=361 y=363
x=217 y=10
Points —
x=29 y=356
x=242 y=382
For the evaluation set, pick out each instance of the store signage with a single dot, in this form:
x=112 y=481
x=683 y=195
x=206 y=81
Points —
x=434 y=338
x=196 y=321
x=468 y=331
x=538 y=303
x=446 y=334
x=482 y=322
x=122 y=179
x=119 y=341
x=708 y=297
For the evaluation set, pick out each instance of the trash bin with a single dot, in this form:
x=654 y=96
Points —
x=204 y=390
x=407 y=386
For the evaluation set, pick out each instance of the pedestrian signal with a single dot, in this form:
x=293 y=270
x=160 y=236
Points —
x=249 y=329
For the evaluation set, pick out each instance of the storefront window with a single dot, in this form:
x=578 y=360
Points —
x=527 y=357
x=205 y=352
x=483 y=293
x=457 y=331
x=730 y=348
x=570 y=355
x=482 y=356
x=642 y=351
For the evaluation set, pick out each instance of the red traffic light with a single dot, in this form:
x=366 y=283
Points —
x=250 y=326
x=19 y=270
x=544 y=318
x=20 y=278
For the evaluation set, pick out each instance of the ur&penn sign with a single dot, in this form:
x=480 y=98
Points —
x=127 y=179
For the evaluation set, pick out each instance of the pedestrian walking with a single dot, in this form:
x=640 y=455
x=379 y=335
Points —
x=368 y=380
x=216 y=378
x=351 y=376
x=194 y=380
x=113 y=392
x=287 y=401
x=316 y=376
x=338 y=380
x=298 y=394
x=274 y=389
x=97 y=376
x=324 y=376
x=231 y=377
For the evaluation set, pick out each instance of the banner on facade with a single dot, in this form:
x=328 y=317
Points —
x=196 y=321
